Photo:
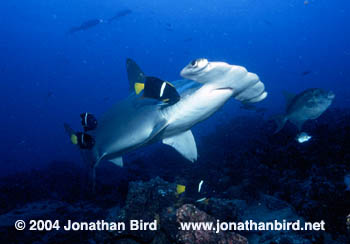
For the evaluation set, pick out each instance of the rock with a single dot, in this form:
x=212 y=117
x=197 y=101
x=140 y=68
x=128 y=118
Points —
x=273 y=203
x=161 y=238
x=147 y=201
x=126 y=241
x=157 y=200
x=189 y=213
x=224 y=209
x=269 y=209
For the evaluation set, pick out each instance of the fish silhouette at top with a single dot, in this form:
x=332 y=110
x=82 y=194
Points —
x=94 y=22
x=120 y=14
x=85 y=26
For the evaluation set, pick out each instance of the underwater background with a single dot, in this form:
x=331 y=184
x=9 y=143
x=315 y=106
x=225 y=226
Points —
x=50 y=75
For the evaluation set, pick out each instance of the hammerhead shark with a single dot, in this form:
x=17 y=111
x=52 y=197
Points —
x=138 y=121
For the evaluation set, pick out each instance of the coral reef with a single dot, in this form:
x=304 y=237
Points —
x=189 y=213
x=254 y=175
x=157 y=200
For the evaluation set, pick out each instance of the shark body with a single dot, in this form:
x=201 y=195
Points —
x=137 y=121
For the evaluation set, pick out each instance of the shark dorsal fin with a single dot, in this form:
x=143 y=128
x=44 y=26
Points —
x=135 y=74
x=288 y=96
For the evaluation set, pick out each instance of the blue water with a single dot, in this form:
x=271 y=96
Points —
x=49 y=77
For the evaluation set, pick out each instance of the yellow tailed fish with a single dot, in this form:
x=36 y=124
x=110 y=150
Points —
x=74 y=139
x=139 y=87
x=180 y=189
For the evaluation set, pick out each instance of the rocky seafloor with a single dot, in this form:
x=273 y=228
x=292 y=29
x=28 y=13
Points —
x=248 y=173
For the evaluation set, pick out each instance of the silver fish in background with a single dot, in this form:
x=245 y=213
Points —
x=303 y=137
x=308 y=105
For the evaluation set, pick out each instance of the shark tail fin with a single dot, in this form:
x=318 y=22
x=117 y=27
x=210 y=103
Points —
x=280 y=122
x=88 y=158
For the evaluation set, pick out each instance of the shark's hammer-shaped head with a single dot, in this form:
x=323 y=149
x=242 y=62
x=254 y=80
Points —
x=245 y=86
x=195 y=69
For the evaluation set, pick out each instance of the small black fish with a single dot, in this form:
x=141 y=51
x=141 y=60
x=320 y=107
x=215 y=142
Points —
x=161 y=90
x=306 y=72
x=88 y=121
x=267 y=22
x=83 y=140
x=50 y=94
x=169 y=27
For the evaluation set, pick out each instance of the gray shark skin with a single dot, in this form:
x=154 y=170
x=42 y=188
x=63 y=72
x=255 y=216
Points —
x=137 y=121
x=308 y=105
x=129 y=124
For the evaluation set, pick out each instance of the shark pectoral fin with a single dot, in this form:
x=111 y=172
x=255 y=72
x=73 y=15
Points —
x=117 y=161
x=185 y=144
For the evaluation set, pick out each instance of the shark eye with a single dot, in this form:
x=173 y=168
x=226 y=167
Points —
x=194 y=63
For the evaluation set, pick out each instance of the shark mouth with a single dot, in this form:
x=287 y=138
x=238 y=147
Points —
x=194 y=68
x=225 y=88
